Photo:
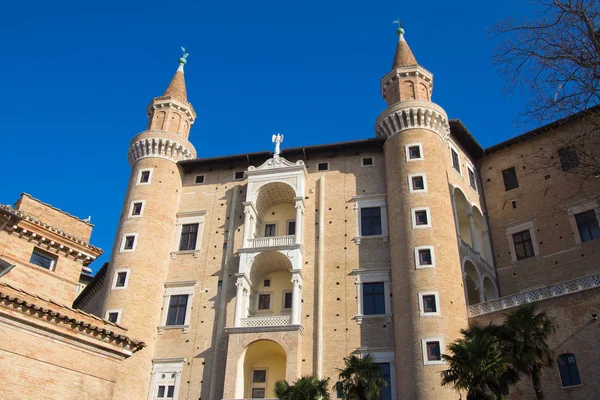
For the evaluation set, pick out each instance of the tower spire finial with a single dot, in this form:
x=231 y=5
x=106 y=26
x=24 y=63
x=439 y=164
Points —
x=183 y=59
x=404 y=56
x=400 y=30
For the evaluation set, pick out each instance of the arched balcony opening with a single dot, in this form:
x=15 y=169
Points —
x=462 y=210
x=261 y=364
x=471 y=282
x=489 y=289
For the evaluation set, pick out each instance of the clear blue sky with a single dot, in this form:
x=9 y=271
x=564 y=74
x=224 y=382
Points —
x=77 y=77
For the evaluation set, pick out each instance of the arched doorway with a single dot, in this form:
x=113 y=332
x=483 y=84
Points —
x=261 y=364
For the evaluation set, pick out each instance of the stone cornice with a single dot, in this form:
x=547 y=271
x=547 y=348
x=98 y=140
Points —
x=413 y=114
x=406 y=72
x=163 y=102
x=160 y=147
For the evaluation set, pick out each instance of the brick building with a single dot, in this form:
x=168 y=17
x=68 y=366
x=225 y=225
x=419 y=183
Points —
x=241 y=270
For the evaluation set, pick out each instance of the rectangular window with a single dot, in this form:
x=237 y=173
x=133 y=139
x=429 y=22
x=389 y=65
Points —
x=239 y=175
x=373 y=298
x=370 y=221
x=417 y=183
x=189 y=235
x=569 y=373
x=568 y=158
x=258 y=393
x=165 y=392
x=425 y=257
x=270 y=230
x=323 y=166
x=177 y=309
x=386 y=392
x=472 y=180
x=367 y=161
x=587 y=224
x=421 y=218
x=121 y=279
x=434 y=352
x=43 y=259
x=145 y=176
x=291 y=228
x=112 y=317
x=287 y=300
x=259 y=376
x=523 y=245
x=510 y=179
x=264 y=301
x=429 y=304
x=137 y=208
x=414 y=152
x=267 y=283
x=455 y=160
x=199 y=179
x=129 y=242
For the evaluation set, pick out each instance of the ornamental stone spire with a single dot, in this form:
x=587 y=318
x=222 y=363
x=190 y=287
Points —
x=404 y=56
x=176 y=88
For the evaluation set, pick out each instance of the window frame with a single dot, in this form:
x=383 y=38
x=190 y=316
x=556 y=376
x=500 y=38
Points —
x=257 y=302
x=411 y=187
x=44 y=254
x=384 y=357
x=166 y=366
x=235 y=178
x=522 y=243
x=506 y=189
x=319 y=164
x=560 y=375
x=203 y=179
x=364 y=295
x=519 y=226
x=422 y=311
x=176 y=289
x=139 y=177
x=471 y=170
x=116 y=273
x=372 y=275
x=275 y=230
x=119 y=313
x=288 y=223
x=186 y=218
x=426 y=360
x=407 y=152
x=285 y=292
x=369 y=201
x=579 y=207
x=563 y=161
x=454 y=149
x=189 y=236
x=418 y=264
x=362 y=162
x=132 y=205
x=362 y=234
x=413 y=213
x=124 y=241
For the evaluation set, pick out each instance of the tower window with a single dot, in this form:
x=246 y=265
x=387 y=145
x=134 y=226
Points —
x=417 y=183
x=129 y=242
x=370 y=221
x=120 y=280
x=199 y=179
x=145 y=177
x=239 y=175
x=420 y=218
x=455 y=160
x=432 y=350
x=414 y=152
x=568 y=158
x=587 y=224
x=177 y=309
x=291 y=228
x=189 y=236
x=510 y=179
x=429 y=303
x=323 y=166
x=43 y=259
x=136 y=208
x=287 y=300
x=367 y=161
x=373 y=298
x=424 y=257
x=569 y=373
x=113 y=316
x=523 y=245
x=472 y=179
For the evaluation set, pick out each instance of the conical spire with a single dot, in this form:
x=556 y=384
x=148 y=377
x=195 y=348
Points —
x=404 y=56
x=176 y=88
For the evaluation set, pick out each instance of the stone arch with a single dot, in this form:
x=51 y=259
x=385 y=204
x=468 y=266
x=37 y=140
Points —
x=423 y=92
x=262 y=354
x=472 y=281
x=158 y=120
x=173 y=122
x=275 y=204
x=462 y=208
x=407 y=90
x=489 y=289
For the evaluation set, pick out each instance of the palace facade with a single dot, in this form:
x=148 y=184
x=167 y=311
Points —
x=231 y=273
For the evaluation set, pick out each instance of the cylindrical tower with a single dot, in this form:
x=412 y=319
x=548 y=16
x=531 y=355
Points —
x=428 y=298
x=141 y=251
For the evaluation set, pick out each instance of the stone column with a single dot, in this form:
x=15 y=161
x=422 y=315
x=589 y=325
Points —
x=296 y=295
x=247 y=224
x=299 y=221
x=240 y=301
x=359 y=295
x=474 y=238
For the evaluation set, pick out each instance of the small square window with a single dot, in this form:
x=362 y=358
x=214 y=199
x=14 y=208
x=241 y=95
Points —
x=414 y=152
x=121 y=279
x=434 y=352
x=270 y=230
x=239 y=175
x=258 y=393
x=568 y=158
x=421 y=218
x=510 y=179
x=267 y=283
x=137 y=208
x=113 y=317
x=145 y=176
x=455 y=160
x=199 y=179
x=287 y=300
x=259 y=376
x=129 y=242
x=429 y=304
x=323 y=166
x=264 y=301
x=425 y=257
x=418 y=183
x=367 y=161
x=472 y=179
x=43 y=259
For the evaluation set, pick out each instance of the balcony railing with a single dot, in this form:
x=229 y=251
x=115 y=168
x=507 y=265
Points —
x=548 y=292
x=259 y=322
x=272 y=241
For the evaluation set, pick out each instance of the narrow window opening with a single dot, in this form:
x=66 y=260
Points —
x=199 y=179
x=189 y=236
x=323 y=166
x=510 y=179
x=370 y=221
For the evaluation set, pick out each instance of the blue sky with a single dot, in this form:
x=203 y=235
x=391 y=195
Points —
x=78 y=75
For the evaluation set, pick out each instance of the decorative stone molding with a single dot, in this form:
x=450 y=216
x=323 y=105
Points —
x=548 y=292
x=413 y=114
x=276 y=162
x=158 y=147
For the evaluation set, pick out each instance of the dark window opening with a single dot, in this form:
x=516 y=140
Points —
x=270 y=230
x=137 y=209
x=418 y=183
x=510 y=179
x=267 y=283
x=291 y=228
x=259 y=376
x=373 y=298
x=129 y=242
x=145 y=177
x=421 y=218
x=239 y=175
x=455 y=160
x=43 y=259
x=569 y=373
x=429 y=305
x=472 y=180
x=189 y=236
x=177 y=309
x=523 y=245
x=568 y=158
x=287 y=301
x=370 y=221
x=587 y=224
x=385 y=393
x=434 y=352
x=264 y=301
x=414 y=152
x=323 y=166
x=199 y=179
x=425 y=257
x=258 y=393
x=113 y=317
x=367 y=161
x=121 y=279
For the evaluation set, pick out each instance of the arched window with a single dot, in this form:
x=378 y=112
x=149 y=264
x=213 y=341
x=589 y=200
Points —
x=569 y=374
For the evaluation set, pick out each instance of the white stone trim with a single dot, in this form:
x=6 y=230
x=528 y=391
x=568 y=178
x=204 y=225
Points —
x=372 y=275
x=413 y=215
x=115 y=276
x=166 y=366
x=177 y=288
x=422 y=311
x=578 y=208
x=411 y=189
x=123 y=240
x=159 y=148
x=381 y=357
x=139 y=177
x=519 y=226
x=413 y=114
x=362 y=161
x=185 y=218
x=424 y=348
x=416 y=254
x=378 y=200
x=407 y=153
x=119 y=314
x=130 y=215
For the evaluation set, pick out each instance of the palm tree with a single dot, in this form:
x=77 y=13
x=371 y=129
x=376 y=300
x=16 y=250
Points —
x=479 y=364
x=305 y=388
x=360 y=379
x=526 y=331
